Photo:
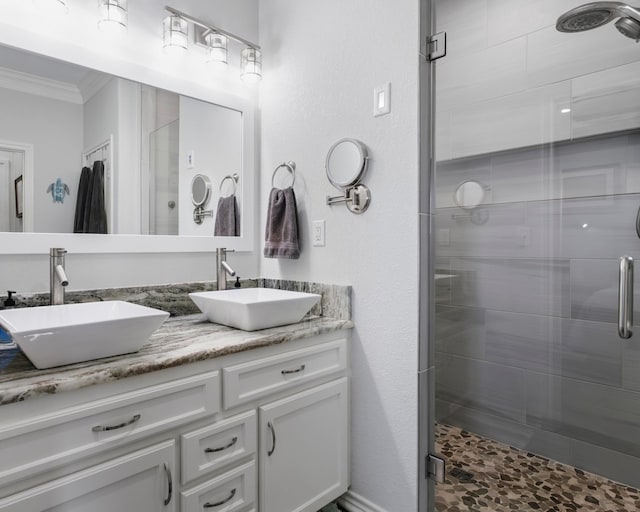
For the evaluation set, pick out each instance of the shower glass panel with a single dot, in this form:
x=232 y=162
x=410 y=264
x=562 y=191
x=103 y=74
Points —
x=537 y=188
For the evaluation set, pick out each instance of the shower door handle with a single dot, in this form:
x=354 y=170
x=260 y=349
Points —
x=625 y=298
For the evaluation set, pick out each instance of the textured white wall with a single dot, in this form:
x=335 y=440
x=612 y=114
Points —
x=74 y=38
x=321 y=63
x=57 y=145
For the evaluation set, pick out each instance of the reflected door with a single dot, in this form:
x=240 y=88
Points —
x=6 y=191
x=546 y=126
x=163 y=177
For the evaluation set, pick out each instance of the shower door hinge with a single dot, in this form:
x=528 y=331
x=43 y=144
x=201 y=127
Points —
x=435 y=468
x=436 y=46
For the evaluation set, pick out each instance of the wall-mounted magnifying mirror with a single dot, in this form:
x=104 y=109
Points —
x=469 y=194
x=345 y=166
x=200 y=193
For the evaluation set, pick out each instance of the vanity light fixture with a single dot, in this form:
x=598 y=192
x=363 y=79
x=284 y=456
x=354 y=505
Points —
x=113 y=15
x=175 y=34
x=215 y=41
x=52 y=6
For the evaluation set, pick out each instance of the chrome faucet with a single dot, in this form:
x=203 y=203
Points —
x=57 y=276
x=223 y=268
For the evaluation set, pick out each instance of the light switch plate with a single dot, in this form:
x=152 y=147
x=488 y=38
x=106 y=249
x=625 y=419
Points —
x=382 y=99
x=318 y=233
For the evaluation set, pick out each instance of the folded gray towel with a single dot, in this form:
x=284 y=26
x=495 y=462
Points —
x=281 y=233
x=227 y=217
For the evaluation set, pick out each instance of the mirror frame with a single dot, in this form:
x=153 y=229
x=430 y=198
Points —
x=207 y=192
x=39 y=243
x=362 y=149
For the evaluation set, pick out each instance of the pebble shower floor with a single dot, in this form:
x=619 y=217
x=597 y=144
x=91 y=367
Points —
x=487 y=476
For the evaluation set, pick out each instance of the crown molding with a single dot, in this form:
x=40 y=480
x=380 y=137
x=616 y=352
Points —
x=31 y=84
x=92 y=83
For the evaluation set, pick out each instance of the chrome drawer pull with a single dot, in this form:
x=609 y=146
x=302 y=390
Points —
x=167 y=472
x=297 y=370
x=100 y=428
x=218 y=503
x=214 y=450
x=273 y=438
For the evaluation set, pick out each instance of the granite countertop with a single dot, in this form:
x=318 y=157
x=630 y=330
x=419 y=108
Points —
x=180 y=340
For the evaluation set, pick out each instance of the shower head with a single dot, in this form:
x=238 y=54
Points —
x=596 y=14
x=629 y=27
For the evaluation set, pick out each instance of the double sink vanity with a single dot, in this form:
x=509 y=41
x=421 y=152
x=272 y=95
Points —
x=202 y=417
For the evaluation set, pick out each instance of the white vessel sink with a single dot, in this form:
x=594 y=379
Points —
x=251 y=309
x=71 y=333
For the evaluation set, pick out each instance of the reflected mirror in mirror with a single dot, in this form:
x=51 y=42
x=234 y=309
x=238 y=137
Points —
x=346 y=163
x=59 y=118
x=200 y=190
x=469 y=194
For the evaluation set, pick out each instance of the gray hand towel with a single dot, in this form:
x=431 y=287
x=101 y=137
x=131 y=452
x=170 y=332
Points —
x=95 y=214
x=227 y=217
x=281 y=233
x=81 y=200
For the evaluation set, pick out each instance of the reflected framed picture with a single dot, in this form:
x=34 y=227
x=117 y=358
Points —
x=17 y=183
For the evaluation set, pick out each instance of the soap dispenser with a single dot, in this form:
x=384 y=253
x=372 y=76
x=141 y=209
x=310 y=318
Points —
x=9 y=302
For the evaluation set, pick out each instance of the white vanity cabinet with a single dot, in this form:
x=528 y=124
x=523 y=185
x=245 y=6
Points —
x=264 y=430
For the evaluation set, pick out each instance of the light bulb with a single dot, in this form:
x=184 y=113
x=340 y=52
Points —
x=113 y=16
x=251 y=65
x=175 y=34
x=217 y=45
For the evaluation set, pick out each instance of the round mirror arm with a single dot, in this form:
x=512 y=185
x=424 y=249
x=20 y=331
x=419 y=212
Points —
x=356 y=198
x=199 y=213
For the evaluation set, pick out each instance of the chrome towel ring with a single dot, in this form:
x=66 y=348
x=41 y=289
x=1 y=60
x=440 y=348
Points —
x=234 y=178
x=290 y=166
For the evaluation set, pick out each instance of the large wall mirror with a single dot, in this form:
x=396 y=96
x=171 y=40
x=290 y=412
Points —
x=99 y=163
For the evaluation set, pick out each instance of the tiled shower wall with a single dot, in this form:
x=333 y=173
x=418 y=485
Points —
x=527 y=345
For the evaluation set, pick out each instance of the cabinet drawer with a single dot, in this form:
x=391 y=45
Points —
x=218 y=445
x=248 y=381
x=52 y=440
x=232 y=491
x=139 y=481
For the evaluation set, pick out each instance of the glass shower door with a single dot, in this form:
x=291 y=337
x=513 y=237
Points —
x=537 y=199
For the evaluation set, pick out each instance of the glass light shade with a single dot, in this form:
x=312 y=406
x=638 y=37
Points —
x=52 y=6
x=217 y=44
x=251 y=65
x=175 y=34
x=113 y=15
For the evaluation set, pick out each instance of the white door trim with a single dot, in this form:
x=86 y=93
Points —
x=27 y=181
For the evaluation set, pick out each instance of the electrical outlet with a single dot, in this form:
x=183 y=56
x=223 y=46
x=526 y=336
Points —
x=318 y=233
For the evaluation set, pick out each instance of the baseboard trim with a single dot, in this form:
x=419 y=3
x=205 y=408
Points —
x=353 y=502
